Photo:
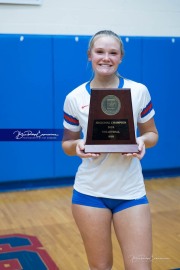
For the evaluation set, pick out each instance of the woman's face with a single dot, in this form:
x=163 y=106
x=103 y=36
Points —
x=105 y=55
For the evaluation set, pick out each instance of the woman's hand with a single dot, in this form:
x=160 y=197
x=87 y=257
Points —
x=148 y=138
x=80 y=151
x=141 y=148
x=74 y=146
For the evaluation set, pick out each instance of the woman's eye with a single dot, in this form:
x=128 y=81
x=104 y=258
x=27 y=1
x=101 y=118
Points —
x=99 y=51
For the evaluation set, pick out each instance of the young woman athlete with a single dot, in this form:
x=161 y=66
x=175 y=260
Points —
x=109 y=187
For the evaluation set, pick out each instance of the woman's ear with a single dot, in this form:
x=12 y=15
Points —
x=89 y=55
x=120 y=61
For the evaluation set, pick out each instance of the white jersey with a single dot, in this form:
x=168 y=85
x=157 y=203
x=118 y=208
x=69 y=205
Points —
x=111 y=175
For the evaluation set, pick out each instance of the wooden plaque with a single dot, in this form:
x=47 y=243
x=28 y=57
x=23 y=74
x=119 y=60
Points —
x=110 y=124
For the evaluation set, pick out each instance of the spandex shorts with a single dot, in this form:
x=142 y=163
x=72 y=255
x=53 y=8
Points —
x=115 y=205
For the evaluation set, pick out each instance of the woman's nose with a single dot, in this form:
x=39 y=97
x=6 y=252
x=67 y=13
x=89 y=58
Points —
x=106 y=56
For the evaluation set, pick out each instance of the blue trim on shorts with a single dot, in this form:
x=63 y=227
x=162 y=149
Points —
x=115 y=205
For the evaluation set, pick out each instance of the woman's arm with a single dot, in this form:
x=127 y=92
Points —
x=69 y=142
x=148 y=133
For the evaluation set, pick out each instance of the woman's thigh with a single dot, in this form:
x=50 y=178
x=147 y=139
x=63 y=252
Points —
x=95 y=227
x=134 y=233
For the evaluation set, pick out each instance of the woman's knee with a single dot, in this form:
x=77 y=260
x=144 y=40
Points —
x=101 y=266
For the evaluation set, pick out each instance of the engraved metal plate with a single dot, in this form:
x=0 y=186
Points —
x=110 y=105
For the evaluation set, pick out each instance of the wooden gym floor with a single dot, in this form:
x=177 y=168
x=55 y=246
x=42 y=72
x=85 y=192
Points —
x=46 y=214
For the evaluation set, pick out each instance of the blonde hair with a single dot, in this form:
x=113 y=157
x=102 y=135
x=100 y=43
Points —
x=106 y=33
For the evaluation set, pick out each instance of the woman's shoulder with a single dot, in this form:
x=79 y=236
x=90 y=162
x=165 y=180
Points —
x=78 y=91
x=134 y=85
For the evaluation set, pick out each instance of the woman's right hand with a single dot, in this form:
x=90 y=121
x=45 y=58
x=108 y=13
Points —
x=80 y=151
x=74 y=146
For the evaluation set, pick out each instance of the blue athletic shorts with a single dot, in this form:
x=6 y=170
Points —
x=115 y=205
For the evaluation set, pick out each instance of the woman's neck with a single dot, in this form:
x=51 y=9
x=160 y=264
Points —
x=99 y=82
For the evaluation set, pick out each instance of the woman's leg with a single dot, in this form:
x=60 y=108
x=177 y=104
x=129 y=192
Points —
x=95 y=227
x=134 y=233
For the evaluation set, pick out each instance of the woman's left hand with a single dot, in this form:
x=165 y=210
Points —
x=148 y=138
x=141 y=148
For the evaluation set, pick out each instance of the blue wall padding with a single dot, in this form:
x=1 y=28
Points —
x=161 y=73
x=26 y=101
x=37 y=72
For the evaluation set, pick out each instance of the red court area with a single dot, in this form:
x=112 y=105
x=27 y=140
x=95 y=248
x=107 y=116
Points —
x=24 y=252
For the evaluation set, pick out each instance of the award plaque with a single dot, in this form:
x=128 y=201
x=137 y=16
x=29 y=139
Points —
x=110 y=123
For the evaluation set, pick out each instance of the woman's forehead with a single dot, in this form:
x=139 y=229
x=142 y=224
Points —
x=104 y=40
